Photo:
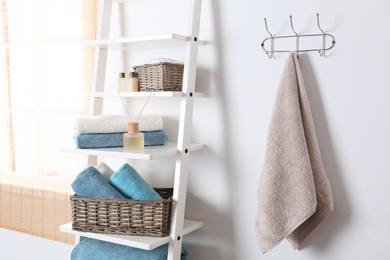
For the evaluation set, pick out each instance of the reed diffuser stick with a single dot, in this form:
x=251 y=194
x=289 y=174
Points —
x=144 y=106
x=124 y=105
x=128 y=114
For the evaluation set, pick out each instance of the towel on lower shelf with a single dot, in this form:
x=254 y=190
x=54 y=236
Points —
x=127 y=180
x=92 y=249
x=105 y=140
x=91 y=183
x=294 y=192
x=116 y=123
x=105 y=170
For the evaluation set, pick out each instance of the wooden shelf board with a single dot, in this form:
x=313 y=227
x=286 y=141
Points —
x=170 y=40
x=142 y=242
x=149 y=153
x=142 y=94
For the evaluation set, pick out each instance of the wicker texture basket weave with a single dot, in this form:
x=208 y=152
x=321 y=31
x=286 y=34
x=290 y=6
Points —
x=163 y=76
x=118 y=216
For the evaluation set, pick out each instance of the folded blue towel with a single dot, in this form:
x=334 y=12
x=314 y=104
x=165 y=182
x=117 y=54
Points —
x=92 y=249
x=151 y=138
x=91 y=183
x=98 y=140
x=127 y=180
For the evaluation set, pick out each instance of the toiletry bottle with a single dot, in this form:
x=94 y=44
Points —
x=133 y=139
x=122 y=82
x=132 y=82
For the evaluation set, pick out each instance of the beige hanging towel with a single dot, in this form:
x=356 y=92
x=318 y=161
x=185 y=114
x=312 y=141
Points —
x=294 y=194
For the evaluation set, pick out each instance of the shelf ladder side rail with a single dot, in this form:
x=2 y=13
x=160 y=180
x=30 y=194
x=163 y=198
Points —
x=99 y=69
x=184 y=133
x=100 y=60
x=99 y=72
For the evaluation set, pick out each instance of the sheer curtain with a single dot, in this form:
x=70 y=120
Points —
x=45 y=71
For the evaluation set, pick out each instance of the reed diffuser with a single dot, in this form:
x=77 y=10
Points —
x=133 y=139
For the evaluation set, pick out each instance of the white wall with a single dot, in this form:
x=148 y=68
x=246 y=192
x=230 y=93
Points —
x=349 y=95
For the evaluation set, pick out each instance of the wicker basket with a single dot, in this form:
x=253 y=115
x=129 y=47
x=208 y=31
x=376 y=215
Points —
x=118 y=216
x=163 y=76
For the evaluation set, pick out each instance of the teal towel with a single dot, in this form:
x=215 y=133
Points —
x=127 y=180
x=91 y=183
x=83 y=141
x=104 y=140
x=154 y=138
x=91 y=249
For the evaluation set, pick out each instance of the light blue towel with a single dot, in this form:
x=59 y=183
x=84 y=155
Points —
x=91 y=249
x=154 y=138
x=127 y=180
x=151 y=138
x=91 y=183
x=98 y=140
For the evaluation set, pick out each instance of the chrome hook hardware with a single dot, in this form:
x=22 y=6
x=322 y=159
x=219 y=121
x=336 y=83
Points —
x=296 y=35
x=271 y=53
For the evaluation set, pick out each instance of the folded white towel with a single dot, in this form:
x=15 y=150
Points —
x=294 y=192
x=116 y=123
x=158 y=60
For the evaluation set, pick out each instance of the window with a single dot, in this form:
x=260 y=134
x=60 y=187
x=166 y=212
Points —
x=45 y=69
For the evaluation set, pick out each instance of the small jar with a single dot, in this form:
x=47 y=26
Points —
x=132 y=82
x=122 y=82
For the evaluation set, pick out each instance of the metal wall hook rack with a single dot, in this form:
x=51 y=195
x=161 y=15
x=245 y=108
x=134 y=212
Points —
x=323 y=35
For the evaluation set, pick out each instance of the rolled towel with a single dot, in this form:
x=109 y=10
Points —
x=127 y=180
x=105 y=170
x=116 y=123
x=151 y=138
x=91 y=183
x=92 y=249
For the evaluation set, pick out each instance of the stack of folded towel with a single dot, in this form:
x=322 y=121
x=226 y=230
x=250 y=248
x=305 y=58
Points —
x=102 y=182
x=107 y=130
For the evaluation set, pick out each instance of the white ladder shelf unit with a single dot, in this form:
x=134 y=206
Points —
x=181 y=149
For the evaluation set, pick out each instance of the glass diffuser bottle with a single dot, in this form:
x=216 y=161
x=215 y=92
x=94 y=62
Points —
x=133 y=139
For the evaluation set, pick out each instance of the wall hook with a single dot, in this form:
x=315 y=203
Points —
x=292 y=26
x=298 y=37
x=269 y=53
x=322 y=51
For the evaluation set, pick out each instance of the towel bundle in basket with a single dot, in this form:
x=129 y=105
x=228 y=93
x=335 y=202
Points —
x=160 y=75
x=103 y=206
